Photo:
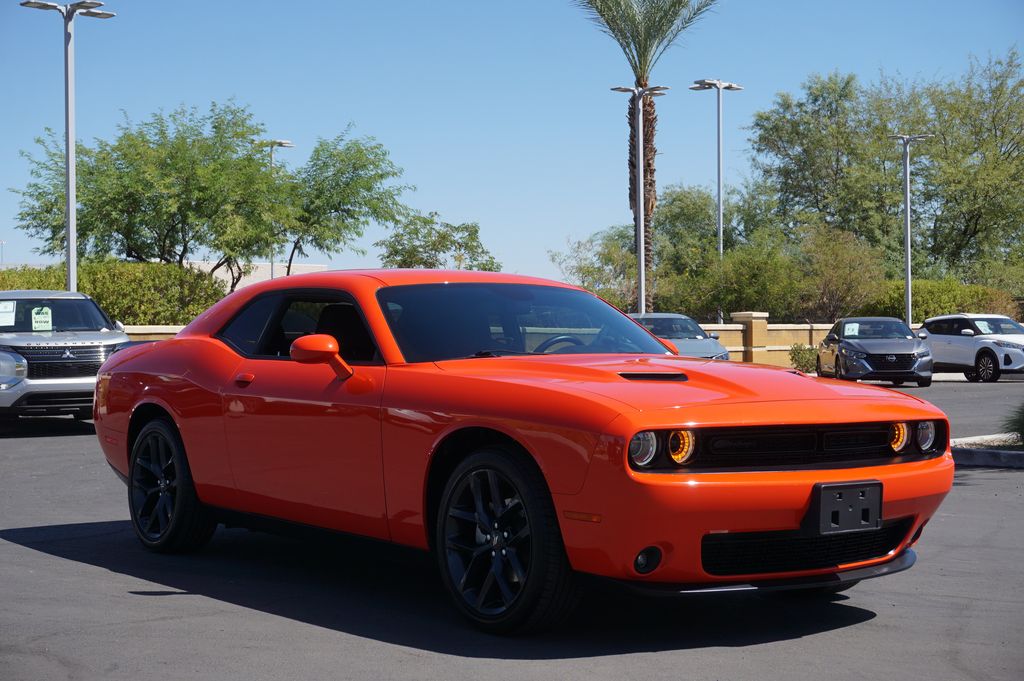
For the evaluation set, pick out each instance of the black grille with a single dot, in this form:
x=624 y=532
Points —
x=63 y=369
x=52 y=401
x=64 y=361
x=898 y=362
x=752 y=553
x=769 y=446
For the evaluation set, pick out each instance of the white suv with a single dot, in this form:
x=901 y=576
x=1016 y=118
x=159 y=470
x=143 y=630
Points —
x=983 y=346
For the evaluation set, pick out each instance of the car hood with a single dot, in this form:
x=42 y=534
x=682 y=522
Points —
x=886 y=346
x=44 y=338
x=698 y=347
x=656 y=383
x=1006 y=337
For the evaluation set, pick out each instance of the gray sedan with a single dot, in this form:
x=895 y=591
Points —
x=875 y=348
x=685 y=334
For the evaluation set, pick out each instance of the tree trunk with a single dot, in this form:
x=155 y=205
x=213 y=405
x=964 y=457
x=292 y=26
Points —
x=650 y=186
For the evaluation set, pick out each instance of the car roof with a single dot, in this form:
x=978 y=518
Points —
x=870 y=319
x=402 y=277
x=659 y=315
x=965 y=315
x=36 y=293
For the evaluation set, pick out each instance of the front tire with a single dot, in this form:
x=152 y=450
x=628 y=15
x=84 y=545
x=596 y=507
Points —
x=166 y=513
x=924 y=382
x=498 y=546
x=987 y=367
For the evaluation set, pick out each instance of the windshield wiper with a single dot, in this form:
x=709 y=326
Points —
x=497 y=353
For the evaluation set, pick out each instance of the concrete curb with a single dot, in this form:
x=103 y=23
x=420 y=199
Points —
x=988 y=458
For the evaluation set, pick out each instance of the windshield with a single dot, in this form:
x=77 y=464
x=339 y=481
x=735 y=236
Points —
x=434 y=322
x=868 y=329
x=673 y=327
x=28 y=315
x=996 y=325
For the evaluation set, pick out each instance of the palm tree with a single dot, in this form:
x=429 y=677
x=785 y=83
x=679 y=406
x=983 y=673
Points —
x=644 y=29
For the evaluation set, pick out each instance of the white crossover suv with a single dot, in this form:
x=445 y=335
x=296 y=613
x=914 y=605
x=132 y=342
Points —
x=983 y=346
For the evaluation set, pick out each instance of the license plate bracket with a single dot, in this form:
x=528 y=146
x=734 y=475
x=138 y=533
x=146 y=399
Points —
x=838 y=508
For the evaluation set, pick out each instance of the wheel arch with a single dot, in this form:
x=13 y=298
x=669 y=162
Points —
x=452 y=450
x=142 y=414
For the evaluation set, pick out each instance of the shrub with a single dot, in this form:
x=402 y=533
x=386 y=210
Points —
x=133 y=293
x=1015 y=423
x=944 y=296
x=803 y=358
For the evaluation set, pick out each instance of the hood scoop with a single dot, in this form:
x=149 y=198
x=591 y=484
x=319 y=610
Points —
x=653 y=376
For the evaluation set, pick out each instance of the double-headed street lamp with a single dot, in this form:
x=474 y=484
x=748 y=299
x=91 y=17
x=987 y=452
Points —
x=906 y=141
x=719 y=85
x=69 y=12
x=638 y=94
x=284 y=144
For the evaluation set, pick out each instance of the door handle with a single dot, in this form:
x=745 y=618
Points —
x=244 y=379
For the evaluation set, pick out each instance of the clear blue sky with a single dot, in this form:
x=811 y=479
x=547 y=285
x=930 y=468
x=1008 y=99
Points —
x=499 y=113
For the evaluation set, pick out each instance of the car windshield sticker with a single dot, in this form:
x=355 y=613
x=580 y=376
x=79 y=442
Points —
x=42 y=319
x=851 y=329
x=6 y=313
x=983 y=326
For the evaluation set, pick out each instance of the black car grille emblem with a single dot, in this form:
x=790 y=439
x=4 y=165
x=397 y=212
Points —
x=890 y=358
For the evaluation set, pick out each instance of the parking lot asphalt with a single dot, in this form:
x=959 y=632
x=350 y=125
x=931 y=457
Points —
x=974 y=408
x=80 y=599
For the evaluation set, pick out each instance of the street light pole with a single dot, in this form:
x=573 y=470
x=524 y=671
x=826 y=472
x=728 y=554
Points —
x=906 y=141
x=68 y=12
x=718 y=85
x=284 y=144
x=641 y=255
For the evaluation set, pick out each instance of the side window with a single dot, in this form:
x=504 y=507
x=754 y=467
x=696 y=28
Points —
x=939 y=328
x=958 y=325
x=835 y=328
x=245 y=331
x=334 y=315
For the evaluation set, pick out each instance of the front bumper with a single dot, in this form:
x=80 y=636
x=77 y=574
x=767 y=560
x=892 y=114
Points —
x=1011 y=360
x=29 y=397
x=875 y=370
x=620 y=512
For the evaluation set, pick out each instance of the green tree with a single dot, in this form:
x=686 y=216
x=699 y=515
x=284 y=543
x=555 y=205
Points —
x=843 y=273
x=429 y=242
x=644 y=29
x=342 y=188
x=604 y=263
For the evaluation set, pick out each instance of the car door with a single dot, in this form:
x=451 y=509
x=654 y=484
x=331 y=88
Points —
x=962 y=348
x=305 y=445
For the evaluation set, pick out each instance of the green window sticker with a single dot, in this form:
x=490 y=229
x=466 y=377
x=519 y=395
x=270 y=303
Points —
x=42 y=319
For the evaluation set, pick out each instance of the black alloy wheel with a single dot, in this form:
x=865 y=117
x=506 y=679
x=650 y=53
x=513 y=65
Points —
x=498 y=545
x=165 y=511
x=987 y=367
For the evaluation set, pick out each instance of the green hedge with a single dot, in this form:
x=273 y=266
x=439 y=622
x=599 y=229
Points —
x=947 y=296
x=803 y=358
x=133 y=293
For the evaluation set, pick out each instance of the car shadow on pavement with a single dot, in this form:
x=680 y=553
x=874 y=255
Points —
x=393 y=594
x=44 y=426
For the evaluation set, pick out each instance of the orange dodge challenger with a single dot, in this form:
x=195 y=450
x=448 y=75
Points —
x=522 y=430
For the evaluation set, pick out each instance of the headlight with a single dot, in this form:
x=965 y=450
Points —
x=723 y=355
x=853 y=353
x=898 y=436
x=1011 y=346
x=9 y=383
x=923 y=353
x=681 y=445
x=12 y=364
x=643 y=448
x=926 y=435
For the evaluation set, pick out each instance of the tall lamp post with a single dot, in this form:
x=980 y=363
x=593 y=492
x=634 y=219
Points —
x=284 y=144
x=638 y=94
x=906 y=141
x=719 y=85
x=69 y=12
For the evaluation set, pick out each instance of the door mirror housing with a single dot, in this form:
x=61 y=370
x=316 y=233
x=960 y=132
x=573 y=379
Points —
x=713 y=336
x=670 y=345
x=922 y=335
x=319 y=348
x=831 y=338
x=118 y=326
x=966 y=332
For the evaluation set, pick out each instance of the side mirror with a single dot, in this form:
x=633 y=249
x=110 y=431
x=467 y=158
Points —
x=922 y=336
x=713 y=336
x=118 y=326
x=831 y=338
x=670 y=345
x=966 y=332
x=320 y=348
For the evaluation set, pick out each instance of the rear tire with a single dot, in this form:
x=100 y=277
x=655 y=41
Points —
x=987 y=367
x=817 y=366
x=498 y=545
x=166 y=513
